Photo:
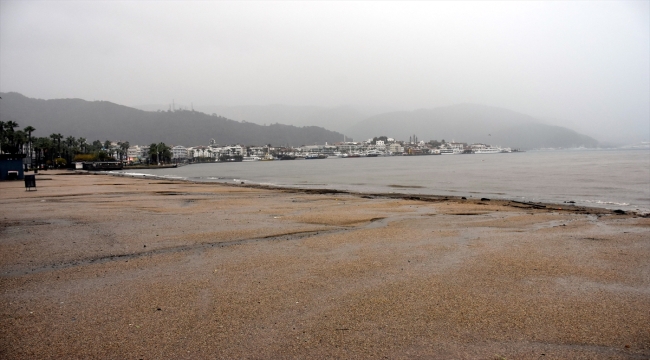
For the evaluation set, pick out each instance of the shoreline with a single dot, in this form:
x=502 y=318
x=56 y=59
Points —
x=567 y=207
x=117 y=267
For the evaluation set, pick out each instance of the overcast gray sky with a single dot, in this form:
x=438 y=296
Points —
x=586 y=64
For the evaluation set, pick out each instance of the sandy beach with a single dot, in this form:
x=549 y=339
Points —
x=98 y=266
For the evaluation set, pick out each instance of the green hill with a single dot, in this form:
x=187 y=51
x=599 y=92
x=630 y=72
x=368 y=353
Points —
x=105 y=120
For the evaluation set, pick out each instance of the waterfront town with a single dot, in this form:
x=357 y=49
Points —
x=378 y=146
x=58 y=151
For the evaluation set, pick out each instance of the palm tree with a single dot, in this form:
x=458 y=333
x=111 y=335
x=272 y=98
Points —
x=125 y=148
x=82 y=145
x=2 y=134
x=19 y=140
x=160 y=148
x=57 y=138
x=10 y=125
x=43 y=146
x=71 y=148
x=38 y=149
x=153 y=150
x=96 y=146
x=7 y=139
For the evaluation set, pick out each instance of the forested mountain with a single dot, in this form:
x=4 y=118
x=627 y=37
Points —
x=471 y=123
x=338 y=118
x=105 y=120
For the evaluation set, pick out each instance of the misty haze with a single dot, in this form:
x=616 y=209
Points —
x=579 y=65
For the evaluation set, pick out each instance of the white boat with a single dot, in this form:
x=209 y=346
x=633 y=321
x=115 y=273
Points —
x=314 y=156
x=450 y=151
x=251 y=158
x=488 y=150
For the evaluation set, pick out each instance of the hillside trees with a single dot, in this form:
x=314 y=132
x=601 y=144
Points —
x=11 y=141
x=161 y=152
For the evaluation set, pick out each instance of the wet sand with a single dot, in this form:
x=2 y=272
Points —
x=96 y=266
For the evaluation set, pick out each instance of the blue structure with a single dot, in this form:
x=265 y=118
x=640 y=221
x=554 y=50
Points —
x=11 y=167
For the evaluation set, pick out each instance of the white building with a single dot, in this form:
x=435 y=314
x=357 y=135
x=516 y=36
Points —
x=395 y=148
x=235 y=150
x=350 y=147
x=200 y=152
x=137 y=153
x=179 y=152
x=319 y=149
x=257 y=150
x=456 y=145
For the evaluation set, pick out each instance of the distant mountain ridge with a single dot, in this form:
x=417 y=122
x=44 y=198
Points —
x=471 y=123
x=338 y=118
x=463 y=122
x=102 y=120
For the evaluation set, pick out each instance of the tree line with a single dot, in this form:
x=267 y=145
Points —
x=58 y=150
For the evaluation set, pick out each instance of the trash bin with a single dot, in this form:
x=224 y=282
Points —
x=30 y=182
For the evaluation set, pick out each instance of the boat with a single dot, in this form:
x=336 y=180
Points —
x=373 y=153
x=287 y=157
x=312 y=157
x=251 y=158
x=488 y=150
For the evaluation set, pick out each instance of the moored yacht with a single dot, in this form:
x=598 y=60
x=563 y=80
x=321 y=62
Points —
x=488 y=150
x=314 y=156
x=450 y=151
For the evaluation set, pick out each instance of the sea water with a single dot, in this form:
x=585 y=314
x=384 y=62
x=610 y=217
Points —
x=615 y=179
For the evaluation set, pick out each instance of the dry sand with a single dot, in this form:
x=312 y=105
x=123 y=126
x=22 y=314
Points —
x=98 y=266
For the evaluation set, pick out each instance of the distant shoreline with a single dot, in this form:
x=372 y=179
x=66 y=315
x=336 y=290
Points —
x=549 y=206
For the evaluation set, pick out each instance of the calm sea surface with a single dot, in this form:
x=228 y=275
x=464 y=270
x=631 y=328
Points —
x=615 y=179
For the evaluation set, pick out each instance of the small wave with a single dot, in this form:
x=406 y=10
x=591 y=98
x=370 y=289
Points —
x=130 y=174
x=606 y=202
